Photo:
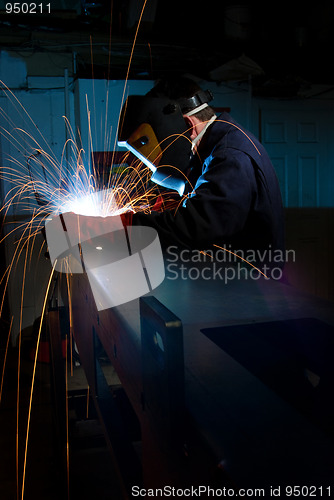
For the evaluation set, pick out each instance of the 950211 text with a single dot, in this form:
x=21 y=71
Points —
x=22 y=8
x=300 y=491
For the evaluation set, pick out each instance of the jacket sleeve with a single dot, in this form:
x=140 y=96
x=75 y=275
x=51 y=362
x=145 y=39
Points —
x=216 y=210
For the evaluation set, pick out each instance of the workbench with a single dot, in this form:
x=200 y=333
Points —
x=220 y=422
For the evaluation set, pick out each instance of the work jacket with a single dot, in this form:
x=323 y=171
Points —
x=233 y=197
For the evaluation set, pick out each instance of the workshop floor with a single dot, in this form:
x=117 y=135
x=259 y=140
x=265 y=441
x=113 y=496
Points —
x=91 y=473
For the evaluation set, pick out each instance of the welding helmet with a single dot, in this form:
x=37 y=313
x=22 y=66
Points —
x=152 y=127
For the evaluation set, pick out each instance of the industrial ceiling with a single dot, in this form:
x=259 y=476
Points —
x=279 y=48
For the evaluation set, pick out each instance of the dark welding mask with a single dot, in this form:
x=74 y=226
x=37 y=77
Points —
x=154 y=130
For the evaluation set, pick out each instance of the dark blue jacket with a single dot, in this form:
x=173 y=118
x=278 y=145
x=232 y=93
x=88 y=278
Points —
x=236 y=199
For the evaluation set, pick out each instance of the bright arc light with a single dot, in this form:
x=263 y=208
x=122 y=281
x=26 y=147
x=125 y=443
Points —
x=100 y=204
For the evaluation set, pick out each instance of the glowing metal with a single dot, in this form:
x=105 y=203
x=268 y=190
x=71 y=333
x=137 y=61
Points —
x=129 y=266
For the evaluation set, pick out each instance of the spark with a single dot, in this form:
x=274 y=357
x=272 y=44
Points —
x=18 y=373
x=67 y=422
x=243 y=132
x=69 y=294
x=5 y=358
x=244 y=260
x=33 y=381
x=79 y=191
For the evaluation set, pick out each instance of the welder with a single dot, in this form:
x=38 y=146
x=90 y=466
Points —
x=232 y=195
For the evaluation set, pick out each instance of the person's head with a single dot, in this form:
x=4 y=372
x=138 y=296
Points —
x=164 y=127
x=189 y=95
